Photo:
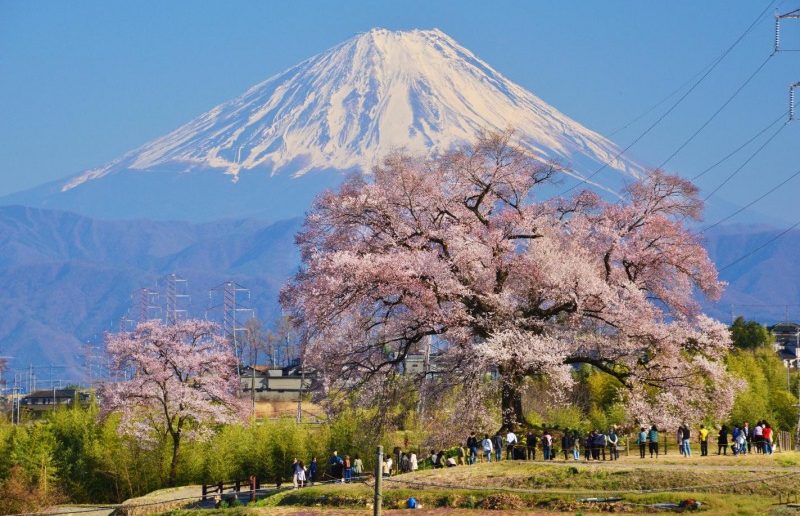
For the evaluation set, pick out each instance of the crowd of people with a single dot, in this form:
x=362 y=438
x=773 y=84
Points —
x=593 y=446
x=340 y=469
x=742 y=440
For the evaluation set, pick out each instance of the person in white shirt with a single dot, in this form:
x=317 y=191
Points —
x=511 y=441
x=486 y=444
x=758 y=437
x=413 y=462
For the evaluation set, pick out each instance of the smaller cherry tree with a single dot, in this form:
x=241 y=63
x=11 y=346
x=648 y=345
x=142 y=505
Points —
x=172 y=381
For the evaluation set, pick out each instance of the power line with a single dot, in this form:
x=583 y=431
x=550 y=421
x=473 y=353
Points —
x=717 y=223
x=753 y=155
x=663 y=100
x=676 y=103
x=717 y=112
x=740 y=147
x=762 y=246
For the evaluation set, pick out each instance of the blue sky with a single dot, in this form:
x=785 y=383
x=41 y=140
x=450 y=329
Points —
x=82 y=82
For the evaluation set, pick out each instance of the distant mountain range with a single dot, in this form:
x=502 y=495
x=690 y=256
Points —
x=66 y=279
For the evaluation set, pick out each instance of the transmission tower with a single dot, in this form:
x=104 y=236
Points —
x=792 y=15
x=233 y=301
x=792 y=90
x=147 y=307
x=177 y=298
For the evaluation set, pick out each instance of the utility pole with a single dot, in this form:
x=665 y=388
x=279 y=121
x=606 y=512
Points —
x=253 y=380
x=377 y=501
x=302 y=383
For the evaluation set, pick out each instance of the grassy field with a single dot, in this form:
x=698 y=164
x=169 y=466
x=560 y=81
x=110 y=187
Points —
x=723 y=485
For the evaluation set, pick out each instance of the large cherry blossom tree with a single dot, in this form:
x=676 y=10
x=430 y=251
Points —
x=171 y=381
x=457 y=249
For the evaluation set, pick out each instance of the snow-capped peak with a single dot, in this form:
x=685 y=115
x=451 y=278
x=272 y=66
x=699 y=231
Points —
x=349 y=106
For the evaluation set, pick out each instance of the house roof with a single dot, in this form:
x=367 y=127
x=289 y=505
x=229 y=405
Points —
x=58 y=393
x=785 y=327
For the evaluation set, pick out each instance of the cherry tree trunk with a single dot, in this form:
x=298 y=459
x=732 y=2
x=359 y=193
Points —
x=173 y=466
x=511 y=403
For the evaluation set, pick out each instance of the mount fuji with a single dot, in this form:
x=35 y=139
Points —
x=268 y=152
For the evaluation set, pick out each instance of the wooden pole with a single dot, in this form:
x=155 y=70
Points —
x=378 y=501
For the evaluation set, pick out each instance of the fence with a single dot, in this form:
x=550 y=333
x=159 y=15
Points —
x=233 y=488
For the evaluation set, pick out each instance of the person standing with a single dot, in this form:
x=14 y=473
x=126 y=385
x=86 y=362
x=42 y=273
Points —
x=748 y=437
x=741 y=443
x=487 y=446
x=602 y=443
x=703 y=441
x=497 y=444
x=347 y=464
x=686 y=442
x=758 y=437
x=576 y=445
x=653 y=438
x=358 y=466
x=412 y=462
x=722 y=441
x=679 y=438
x=511 y=443
x=735 y=440
x=642 y=442
x=313 y=470
x=405 y=463
x=530 y=444
x=335 y=466
x=472 y=445
x=566 y=443
x=547 y=445
x=296 y=482
x=766 y=434
x=613 y=441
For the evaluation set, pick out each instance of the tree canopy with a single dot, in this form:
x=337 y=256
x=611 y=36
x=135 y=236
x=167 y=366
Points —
x=458 y=249
x=750 y=334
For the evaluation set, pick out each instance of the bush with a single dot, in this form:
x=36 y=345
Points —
x=19 y=493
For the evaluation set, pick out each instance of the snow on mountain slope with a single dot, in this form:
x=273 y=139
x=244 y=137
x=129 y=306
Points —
x=349 y=106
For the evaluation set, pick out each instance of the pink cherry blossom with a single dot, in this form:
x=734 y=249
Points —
x=457 y=249
x=172 y=381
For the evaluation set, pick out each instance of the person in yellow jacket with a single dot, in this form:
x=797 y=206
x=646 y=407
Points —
x=703 y=441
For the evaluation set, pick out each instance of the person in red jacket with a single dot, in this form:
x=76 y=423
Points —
x=767 y=436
